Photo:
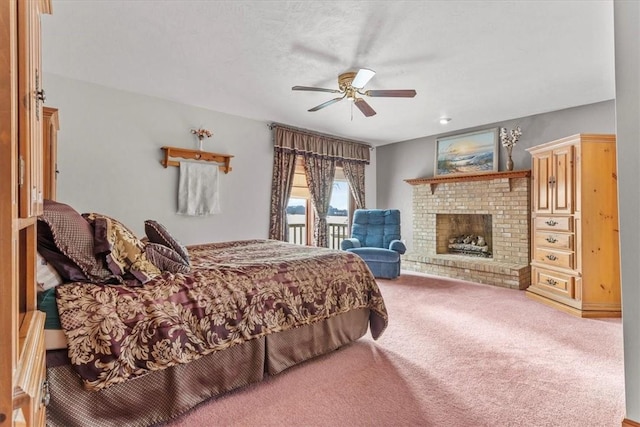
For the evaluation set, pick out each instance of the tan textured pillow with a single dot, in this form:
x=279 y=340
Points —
x=124 y=252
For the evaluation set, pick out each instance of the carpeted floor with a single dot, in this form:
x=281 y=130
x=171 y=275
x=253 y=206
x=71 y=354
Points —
x=454 y=354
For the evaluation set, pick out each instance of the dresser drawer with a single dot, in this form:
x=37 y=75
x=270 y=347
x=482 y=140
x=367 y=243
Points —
x=552 y=281
x=554 y=240
x=557 y=223
x=555 y=258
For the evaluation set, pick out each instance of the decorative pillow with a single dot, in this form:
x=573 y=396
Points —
x=46 y=275
x=165 y=258
x=72 y=236
x=101 y=244
x=67 y=269
x=157 y=233
x=124 y=252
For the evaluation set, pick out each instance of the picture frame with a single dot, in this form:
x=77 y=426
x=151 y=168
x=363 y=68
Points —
x=467 y=153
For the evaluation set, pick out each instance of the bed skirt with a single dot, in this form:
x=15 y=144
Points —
x=162 y=395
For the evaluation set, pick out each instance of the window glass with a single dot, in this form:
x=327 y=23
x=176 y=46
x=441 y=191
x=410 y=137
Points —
x=297 y=220
x=338 y=215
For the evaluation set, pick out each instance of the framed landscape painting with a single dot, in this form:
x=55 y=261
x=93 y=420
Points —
x=468 y=153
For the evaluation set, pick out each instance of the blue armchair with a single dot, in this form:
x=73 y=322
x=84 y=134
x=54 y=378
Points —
x=375 y=237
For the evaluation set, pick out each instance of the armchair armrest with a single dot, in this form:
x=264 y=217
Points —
x=350 y=244
x=398 y=246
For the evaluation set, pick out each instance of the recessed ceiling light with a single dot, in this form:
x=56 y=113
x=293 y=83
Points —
x=445 y=120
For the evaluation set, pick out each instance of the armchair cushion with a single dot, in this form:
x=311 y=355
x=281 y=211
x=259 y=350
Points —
x=376 y=227
x=377 y=254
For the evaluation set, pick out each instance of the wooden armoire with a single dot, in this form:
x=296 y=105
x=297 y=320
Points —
x=575 y=264
x=23 y=387
x=50 y=127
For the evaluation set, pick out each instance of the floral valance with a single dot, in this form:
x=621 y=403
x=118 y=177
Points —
x=310 y=143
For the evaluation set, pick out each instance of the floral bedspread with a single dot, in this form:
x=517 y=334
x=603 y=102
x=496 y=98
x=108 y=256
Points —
x=236 y=291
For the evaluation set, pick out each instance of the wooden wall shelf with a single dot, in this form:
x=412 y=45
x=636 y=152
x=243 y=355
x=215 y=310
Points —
x=223 y=159
x=486 y=176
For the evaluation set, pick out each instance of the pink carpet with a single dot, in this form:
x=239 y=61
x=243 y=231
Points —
x=454 y=354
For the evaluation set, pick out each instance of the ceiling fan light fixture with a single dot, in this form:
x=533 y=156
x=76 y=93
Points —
x=362 y=78
x=444 y=120
x=350 y=84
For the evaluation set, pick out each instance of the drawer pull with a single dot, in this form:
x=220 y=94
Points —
x=551 y=282
x=46 y=394
x=551 y=239
x=551 y=223
x=551 y=257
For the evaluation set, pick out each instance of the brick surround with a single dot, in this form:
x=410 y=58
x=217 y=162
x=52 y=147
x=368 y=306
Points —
x=504 y=196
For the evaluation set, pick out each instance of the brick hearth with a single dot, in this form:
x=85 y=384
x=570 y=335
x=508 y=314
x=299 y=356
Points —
x=504 y=196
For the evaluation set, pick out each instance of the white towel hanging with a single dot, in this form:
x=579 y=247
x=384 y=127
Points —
x=198 y=193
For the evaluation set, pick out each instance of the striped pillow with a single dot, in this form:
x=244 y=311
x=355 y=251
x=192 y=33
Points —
x=165 y=258
x=158 y=233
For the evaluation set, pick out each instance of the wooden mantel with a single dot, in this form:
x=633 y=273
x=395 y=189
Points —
x=485 y=176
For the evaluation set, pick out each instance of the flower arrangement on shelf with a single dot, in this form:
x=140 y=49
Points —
x=509 y=140
x=201 y=133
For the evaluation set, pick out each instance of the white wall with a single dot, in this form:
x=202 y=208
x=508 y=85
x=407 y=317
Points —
x=627 y=41
x=109 y=161
x=415 y=158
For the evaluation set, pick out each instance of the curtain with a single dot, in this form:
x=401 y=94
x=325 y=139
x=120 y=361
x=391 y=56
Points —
x=354 y=172
x=320 y=153
x=319 y=172
x=306 y=143
x=284 y=167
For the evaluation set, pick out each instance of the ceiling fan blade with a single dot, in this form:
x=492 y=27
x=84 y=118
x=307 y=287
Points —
x=326 y=104
x=315 y=89
x=398 y=93
x=362 y=78
x=364 y=107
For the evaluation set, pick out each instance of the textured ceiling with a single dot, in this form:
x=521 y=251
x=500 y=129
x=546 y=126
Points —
x=474 y=61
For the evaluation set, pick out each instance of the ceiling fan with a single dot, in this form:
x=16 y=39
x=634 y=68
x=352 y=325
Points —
x=351 y=85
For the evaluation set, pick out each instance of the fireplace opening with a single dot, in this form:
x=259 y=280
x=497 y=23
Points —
x=464 y=234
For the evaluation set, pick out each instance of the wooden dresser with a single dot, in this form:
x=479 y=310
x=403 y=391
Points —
x=23 y=387
x=575 y=263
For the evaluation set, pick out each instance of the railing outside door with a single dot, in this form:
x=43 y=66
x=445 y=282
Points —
x=337 y=233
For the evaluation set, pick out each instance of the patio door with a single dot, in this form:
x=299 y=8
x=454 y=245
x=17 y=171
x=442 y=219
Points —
x=300 y=211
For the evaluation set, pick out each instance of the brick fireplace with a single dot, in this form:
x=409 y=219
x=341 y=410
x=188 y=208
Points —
x=495 y=206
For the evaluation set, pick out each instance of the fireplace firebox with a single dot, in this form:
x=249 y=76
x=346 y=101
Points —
x=464 y=234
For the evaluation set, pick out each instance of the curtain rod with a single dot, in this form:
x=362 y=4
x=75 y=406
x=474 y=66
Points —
x=312 y=132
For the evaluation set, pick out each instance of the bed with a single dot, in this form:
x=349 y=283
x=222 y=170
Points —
x=142 y=351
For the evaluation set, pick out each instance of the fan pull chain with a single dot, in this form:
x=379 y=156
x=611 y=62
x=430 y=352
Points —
x=351 y=111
